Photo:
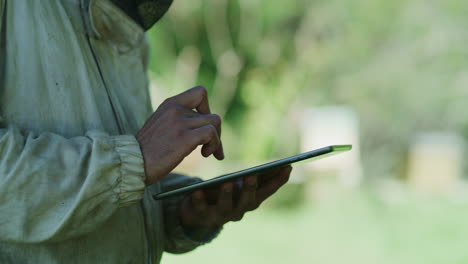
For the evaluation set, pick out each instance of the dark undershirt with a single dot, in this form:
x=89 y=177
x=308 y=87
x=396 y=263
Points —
x=144 y=12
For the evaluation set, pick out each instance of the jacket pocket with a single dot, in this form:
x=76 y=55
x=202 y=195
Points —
x=109 y=23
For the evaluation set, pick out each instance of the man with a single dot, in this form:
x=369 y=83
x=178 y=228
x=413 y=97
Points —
x=79 y=162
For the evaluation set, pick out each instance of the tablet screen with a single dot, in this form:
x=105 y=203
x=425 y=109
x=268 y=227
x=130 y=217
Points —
x=309 y=156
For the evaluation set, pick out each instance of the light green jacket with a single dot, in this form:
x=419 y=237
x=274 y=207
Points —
x=73 y=92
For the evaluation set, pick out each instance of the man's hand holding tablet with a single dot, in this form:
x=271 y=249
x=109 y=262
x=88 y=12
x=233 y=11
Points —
x=228 y=197
x=229 y=202
x=175 y=129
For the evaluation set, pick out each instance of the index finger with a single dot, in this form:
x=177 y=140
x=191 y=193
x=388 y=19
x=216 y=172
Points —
x=195 y=98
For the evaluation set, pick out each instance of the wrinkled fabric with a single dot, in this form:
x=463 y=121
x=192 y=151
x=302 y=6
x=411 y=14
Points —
x=73 y=92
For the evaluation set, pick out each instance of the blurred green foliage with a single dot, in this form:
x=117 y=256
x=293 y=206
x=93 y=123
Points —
x=401 y=64
x=354 y=229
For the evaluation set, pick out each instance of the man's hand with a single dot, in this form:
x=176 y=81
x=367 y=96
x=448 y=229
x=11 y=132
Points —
x=208 y=209
x=175 y=130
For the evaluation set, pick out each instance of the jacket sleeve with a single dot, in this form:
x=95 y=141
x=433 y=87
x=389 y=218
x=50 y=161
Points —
x=54 y=188
x=178 y=240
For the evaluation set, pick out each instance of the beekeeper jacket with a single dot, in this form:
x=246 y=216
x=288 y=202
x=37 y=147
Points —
x=73 y=93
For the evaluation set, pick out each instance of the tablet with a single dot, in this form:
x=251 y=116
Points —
x=311 y=155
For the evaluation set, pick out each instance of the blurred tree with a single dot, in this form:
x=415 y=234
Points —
x=401 y=64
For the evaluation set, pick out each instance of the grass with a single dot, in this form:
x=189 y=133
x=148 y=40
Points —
x=355 y=228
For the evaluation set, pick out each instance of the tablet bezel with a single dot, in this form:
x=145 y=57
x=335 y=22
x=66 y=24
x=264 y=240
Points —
x=314 y=154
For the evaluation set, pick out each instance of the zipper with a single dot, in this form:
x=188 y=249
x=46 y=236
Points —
x=84 y=6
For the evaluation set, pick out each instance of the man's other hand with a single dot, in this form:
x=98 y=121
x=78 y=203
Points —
x=179 y=125
x=230 y=201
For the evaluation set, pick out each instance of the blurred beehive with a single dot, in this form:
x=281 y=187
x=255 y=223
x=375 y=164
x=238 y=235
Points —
x=435 y=162
x=331 y=125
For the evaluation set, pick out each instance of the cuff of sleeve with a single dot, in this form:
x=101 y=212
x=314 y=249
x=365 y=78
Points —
x=131 y=184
